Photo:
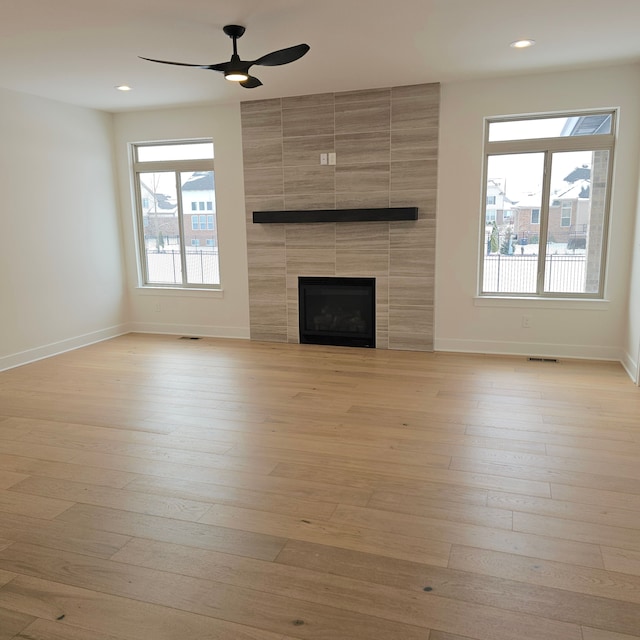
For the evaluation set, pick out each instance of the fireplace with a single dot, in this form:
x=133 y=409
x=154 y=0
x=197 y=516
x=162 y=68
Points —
x=337 y=311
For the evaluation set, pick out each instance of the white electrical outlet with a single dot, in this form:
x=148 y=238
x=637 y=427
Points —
x=323 y=158
x=526 y=322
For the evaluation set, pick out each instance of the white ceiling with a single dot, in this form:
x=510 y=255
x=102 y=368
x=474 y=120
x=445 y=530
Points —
x=76 y=51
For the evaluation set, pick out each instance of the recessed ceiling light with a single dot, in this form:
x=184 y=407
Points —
x=123 y=87
x=522 y=44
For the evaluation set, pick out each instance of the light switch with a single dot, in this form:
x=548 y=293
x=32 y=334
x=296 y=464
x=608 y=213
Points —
x=323 y=158
x=332 y=158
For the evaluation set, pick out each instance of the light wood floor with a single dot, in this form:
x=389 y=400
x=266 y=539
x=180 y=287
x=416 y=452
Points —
x=159 y=488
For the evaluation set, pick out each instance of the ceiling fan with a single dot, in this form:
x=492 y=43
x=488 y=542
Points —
x=237 y=70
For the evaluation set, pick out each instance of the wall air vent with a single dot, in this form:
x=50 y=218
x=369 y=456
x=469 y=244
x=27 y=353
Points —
x=534 y=359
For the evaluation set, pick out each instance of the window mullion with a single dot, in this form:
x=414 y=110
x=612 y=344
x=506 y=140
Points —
x=544 y=222
x=183 y=246
x=143 y=264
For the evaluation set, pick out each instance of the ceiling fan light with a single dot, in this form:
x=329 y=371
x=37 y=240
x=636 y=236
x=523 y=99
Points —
x=524 y=43
x=236 y=76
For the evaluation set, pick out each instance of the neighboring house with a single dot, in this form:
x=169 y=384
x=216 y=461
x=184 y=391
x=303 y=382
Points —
x=199 y=210
x=499 y=206
x=569 y=212
x=160 y=213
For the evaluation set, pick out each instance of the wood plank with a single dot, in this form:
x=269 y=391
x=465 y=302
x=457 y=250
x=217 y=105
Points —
x=5 y=576
x=538 y=546
x=621 y=560
x=79 y=492
x=558 y=476
x=201 y=468
x=41 y=629
x=235 y=496
x=12 y=623
x=9 y=478
x=596 y=514
x=34 y=506
x=112 y=615
x=404 y=477
x=440 y=509
x=192 y=534
x=579 y=531
x=602 y=497
x=559 y=575
x=322 y=532
x=61 y=535
x=599 y=634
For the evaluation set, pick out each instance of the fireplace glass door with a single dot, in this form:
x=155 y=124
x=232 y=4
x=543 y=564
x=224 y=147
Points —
x=337 y=311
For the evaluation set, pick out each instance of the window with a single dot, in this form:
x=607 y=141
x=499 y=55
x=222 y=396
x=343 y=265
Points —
x=171 y=179
x=491 y=199
x=555 y=174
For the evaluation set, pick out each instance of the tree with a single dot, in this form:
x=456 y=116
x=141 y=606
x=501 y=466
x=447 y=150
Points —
x=494 y=239
x=506 y=248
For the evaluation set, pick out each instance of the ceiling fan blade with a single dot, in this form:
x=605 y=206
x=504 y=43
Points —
x=214 y=67
x=283 y=56
x=251 y=83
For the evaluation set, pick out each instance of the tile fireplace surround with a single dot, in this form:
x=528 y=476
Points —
x=386 y=143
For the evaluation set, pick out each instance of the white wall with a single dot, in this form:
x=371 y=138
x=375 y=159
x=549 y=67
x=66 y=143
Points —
x=580 y=329
x=204 y=313
x=61 y=270
x=631 y=355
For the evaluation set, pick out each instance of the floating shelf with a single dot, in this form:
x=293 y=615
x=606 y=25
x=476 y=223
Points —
x=337 y=215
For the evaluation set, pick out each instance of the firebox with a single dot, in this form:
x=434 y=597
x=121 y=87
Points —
x=337 y=311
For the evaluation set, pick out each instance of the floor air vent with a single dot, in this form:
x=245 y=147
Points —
x=543 y=359
x=189 y=338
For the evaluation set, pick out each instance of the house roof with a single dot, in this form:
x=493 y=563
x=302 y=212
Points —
x=200 y=181
x=578 y=189
x=579 y=173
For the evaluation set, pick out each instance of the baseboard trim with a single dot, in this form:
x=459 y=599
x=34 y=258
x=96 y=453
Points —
x=204 y=331
x=631 y=367
x=56 y=348
x=543 y=350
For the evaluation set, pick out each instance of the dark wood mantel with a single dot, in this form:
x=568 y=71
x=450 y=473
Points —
x=337 y=215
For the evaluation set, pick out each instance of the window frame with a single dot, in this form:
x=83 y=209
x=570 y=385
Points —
x=548 y=146
x=183 y=211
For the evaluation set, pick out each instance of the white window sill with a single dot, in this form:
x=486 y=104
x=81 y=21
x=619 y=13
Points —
x=541 y=303
x=179 y=292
